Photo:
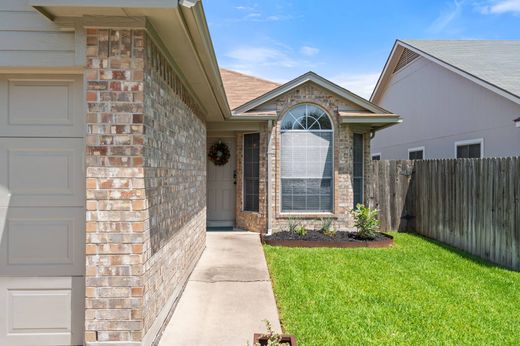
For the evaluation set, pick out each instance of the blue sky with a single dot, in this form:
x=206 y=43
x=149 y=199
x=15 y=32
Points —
x=345 y=41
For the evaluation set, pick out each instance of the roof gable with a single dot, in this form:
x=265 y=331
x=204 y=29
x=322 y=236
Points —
x=491 y=64
x=316 y=79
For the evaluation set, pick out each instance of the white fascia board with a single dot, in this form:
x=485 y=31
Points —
x=371 y=120
x=203 y=45
x=106 y=3
x=380 y=81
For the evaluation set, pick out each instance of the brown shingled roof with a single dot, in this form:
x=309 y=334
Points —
x=241 y=88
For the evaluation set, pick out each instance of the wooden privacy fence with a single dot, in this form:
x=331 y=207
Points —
x=471 y=204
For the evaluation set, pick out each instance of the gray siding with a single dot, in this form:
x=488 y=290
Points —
x=440 y=108
x=28 y=39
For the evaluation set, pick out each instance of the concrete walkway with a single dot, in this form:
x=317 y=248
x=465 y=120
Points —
x=227 y=297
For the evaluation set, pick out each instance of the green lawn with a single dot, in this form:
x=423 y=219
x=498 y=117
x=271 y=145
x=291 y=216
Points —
x=417 y=292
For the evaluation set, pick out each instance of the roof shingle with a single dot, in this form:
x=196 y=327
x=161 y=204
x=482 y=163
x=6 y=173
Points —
x=241 y=88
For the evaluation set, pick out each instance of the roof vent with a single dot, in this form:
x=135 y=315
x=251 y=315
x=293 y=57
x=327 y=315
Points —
x=406 y=57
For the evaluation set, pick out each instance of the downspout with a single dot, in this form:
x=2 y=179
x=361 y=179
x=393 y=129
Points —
x=270 y=154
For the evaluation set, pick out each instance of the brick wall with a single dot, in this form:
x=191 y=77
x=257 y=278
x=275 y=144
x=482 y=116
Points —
x=145 y=158
x=175 y=182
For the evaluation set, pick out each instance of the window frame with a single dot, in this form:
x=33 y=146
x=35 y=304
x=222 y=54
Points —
x=279 y=160
x=470 y=142
x=416 y=149
x=243 y=201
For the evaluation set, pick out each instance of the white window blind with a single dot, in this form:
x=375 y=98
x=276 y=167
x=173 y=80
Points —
x=307 y=160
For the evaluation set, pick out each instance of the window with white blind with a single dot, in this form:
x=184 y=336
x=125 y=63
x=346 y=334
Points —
x=306 y=160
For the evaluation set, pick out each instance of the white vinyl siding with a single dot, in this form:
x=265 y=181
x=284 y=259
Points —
x=28 y=39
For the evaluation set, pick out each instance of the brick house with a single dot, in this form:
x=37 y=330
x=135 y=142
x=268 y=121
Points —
x=107 y=111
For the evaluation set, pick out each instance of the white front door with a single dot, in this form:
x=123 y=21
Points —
x=221 y=188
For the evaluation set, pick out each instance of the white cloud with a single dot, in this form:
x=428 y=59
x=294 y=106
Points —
x=254 y=14
x=502 y=6
x=266 y=56
x=244 y=8
x=447 y=16
x=309 y=51
x=360 y=84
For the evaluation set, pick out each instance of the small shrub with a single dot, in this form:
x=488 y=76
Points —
x=292 y=223
x=366 y=222
x=301 y=230
x=327 y=228
x=273 y=338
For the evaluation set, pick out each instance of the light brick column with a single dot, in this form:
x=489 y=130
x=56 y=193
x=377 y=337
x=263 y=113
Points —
x=116 y=203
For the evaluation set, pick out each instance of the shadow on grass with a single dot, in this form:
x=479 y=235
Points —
x=460 y=253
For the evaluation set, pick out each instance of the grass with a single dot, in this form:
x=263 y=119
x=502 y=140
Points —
x=417 y=292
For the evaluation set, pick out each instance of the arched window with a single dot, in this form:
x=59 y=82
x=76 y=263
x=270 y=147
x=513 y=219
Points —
x=306 y=160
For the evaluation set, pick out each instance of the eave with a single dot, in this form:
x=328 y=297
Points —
x=375 y=121
x=178 y=26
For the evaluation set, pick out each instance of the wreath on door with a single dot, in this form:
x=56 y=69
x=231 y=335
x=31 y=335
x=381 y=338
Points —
x=219 y=153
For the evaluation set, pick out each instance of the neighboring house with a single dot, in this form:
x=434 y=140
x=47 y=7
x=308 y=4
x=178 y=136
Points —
x=107 y=109
x=457 y=99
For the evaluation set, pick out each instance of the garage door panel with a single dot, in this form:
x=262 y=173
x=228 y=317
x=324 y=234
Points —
x=21 y=305
x=40 y=310
x=43 y=171
x=42 y=209
x=43 y=241
x=42 y=105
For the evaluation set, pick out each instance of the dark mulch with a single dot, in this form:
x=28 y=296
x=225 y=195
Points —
x=318 y=236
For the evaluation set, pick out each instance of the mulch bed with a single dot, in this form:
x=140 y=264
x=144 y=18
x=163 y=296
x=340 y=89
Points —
x=318 y=239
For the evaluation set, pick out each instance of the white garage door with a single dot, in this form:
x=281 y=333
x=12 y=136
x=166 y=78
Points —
x=42 y=213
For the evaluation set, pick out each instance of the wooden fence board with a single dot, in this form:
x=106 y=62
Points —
x=472 y=204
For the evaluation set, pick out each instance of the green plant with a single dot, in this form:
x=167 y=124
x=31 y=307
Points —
x=301 y=230
x=327 y=227
x=292 y=223
x=366 y=222
x=273 y=338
